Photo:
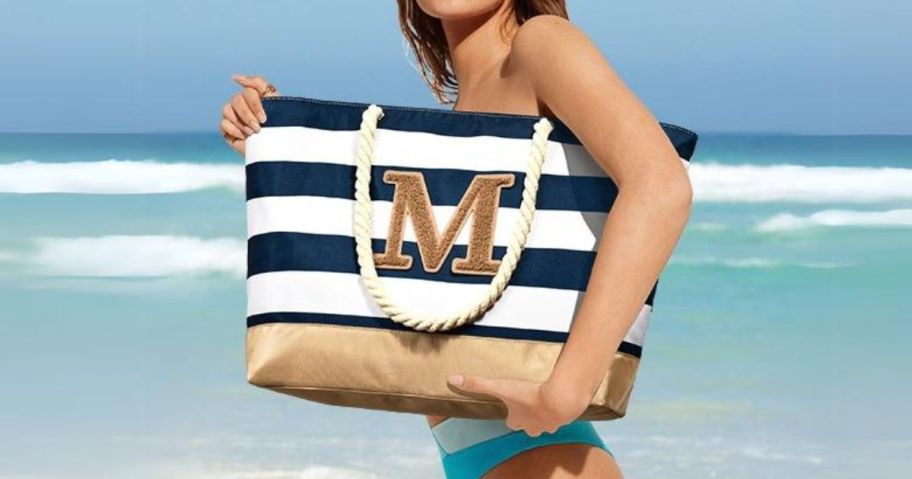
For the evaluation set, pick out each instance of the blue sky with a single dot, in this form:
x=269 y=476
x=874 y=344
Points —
x=712 y=65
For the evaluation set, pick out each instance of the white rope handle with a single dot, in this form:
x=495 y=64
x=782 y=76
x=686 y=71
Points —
x=363 y=232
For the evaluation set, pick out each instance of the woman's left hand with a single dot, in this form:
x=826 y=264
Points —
x=532 y=407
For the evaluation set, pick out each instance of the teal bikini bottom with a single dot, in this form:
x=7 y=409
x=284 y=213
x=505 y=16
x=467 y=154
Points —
x=470 y=448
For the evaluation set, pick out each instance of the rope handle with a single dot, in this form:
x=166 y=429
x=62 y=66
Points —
x=363 y=227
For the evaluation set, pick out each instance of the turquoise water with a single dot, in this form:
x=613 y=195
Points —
x=779 y=346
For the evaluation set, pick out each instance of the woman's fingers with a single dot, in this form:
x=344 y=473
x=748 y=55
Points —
x=251 y=81
x=498 y=388
x=229 y=114
x=230 y=129
x=239 y=145
x=525 y=409
x=512 y=423
x=244 y=113
x=247 y=119
x=258 y=83
x=235 y=138
x=255 y=104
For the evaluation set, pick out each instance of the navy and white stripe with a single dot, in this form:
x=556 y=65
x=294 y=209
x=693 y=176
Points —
x=300 y=184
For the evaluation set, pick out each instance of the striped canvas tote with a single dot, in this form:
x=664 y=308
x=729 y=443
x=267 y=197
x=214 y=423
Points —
x=391 y=247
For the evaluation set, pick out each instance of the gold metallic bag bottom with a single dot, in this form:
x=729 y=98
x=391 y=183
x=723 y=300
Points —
x=406 y=371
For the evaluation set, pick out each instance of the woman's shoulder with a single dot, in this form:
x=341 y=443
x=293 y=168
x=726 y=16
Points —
x=548 y=41
x=542 y=26
x=544 y=32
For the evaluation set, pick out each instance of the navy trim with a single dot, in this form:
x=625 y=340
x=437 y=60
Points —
x=631 y=349
x=345 y=116
x=539 y=267
x=445 y=186
x=385 y=323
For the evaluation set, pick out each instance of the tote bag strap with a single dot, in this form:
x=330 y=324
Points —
x=363 y=227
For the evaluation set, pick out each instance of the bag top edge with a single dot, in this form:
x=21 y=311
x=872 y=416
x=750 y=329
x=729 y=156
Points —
x=683 y=139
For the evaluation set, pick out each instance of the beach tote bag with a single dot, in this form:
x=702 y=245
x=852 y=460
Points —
x=390 y=247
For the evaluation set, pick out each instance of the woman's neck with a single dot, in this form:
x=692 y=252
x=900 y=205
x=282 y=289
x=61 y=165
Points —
x=479 y=46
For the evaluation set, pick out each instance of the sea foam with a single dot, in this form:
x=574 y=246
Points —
x=751 y=263
x=744 y=183
x=117 y=177
x=748 y=183
x=137 y=256
x=837 y=218
x=311 y=472
x=195 y=471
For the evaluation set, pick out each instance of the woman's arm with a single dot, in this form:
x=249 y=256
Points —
x=576 y=83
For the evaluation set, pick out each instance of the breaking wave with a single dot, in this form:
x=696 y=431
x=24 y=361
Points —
x=752 y=263
x=796 y=183
x=837 y=218
x=117 y=177
x=743 y=183
x=138 y=256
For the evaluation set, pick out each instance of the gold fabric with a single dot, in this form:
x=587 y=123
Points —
x=406 y=371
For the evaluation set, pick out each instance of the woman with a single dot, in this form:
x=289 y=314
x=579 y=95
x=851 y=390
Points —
x=524 y=57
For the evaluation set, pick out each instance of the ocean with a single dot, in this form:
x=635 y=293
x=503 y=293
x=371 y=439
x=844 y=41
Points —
x=779 y=345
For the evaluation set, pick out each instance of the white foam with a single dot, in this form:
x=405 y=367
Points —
x=752 y=263
x=326 y=472
x=138 y=256
x=837 y=218
x=745 y=183
x=117 y=177
x=311 y=472
x=707 y=226
x=748 y=183
x=764 y=453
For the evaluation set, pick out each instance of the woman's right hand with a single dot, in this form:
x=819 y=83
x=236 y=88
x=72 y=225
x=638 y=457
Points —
x=243 y=114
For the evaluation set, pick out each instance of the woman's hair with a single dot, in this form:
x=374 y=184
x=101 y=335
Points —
x=425 y=36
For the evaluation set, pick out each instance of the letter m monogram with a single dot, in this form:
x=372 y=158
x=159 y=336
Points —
x=411 y=199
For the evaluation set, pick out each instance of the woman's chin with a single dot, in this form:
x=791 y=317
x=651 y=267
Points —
x=456 y=10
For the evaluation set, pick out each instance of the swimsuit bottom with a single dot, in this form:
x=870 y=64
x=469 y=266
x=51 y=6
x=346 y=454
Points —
x=469 y=448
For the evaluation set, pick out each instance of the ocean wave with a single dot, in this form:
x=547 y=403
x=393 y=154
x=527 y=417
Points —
x=837 y=218
x=197 y=471
x=765 y=453
x=692 y=453
x=747 y=183
x=137 y=256
x=753 y=263
x=312 y=472
x=707 y=226
x=328 y=472
x=117 y=177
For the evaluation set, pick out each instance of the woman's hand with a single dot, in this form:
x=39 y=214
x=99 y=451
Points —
x=243 y=114
x=532 y=407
